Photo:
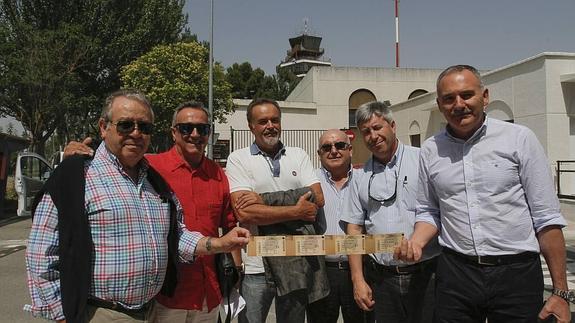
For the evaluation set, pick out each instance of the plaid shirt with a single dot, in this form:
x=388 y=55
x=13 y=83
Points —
x=129 y=226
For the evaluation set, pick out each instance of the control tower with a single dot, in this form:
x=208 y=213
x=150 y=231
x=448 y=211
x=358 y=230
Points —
x=304 y=53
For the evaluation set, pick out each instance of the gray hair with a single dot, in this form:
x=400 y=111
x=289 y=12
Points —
x=457 y=69
x=367 y=110
x=131 y=94
x=191 y=105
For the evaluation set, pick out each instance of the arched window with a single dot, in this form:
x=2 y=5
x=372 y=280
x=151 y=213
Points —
x=500 y=110
x=357 y=98
x=415 y=134
x=417 y=92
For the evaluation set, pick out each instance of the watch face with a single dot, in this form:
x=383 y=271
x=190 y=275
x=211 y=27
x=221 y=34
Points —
x=571 y=296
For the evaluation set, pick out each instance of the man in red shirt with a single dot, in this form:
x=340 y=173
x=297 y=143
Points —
x=203 y=190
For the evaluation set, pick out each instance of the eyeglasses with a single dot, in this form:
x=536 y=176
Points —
x=382 y=200
x=125 y=127
x=340 y=145
x=186 y=129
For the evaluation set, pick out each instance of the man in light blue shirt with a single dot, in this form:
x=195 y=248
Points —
x=486 y=190
x=382 y=200
x=335 y=175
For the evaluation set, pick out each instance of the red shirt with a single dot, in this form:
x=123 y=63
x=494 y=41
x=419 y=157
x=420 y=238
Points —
x=205 y=197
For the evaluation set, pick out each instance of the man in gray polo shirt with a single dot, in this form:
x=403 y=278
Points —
x=382 y=200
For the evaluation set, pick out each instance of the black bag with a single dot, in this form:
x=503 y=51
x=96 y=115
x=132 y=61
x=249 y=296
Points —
x=228 y=276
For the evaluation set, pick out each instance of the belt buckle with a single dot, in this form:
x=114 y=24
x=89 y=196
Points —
x=481 y=261
x=398 y=270
x=115 y=305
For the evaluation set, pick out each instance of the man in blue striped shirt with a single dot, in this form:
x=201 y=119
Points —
x=335 y=174
x=382 y=200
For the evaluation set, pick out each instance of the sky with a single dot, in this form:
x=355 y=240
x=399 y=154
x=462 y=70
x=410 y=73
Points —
x=433 y=33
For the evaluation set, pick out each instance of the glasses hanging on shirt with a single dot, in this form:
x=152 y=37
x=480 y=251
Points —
x=381 y=199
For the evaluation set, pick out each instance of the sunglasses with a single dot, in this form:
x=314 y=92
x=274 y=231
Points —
x=382 y=199
x=340 y=145
x=186 y=129
x=125 y=127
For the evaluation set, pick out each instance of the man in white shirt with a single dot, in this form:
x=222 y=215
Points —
x=268 y=166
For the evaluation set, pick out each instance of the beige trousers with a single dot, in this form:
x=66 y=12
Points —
x=104 y=315
x=162 y=314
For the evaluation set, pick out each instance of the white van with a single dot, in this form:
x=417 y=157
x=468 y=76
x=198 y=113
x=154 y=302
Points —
x=32 y=170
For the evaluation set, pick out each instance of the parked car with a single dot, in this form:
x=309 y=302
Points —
x=32 y=170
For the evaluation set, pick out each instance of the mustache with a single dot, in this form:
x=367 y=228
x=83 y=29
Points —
x=271 y=132
x=462 y=112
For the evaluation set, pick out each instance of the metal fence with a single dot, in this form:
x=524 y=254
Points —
x=566 y=179
x=304 y=139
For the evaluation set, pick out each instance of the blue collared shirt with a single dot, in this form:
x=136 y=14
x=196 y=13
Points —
x=396 y=216
x=334 y=205
x=490 y=194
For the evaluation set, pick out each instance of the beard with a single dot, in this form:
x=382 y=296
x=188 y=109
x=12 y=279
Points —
x=272 y=141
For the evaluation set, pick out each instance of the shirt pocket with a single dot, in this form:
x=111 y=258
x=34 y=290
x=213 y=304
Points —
x=498 y=176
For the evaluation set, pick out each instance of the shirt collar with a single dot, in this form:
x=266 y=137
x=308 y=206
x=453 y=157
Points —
x=255 y=150
x=104 y=154
x=377 y=165
x=176 y=161
x=327 y=174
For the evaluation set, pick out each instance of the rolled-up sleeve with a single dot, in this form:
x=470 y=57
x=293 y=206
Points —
x=42 y=262
x=537 y=183
x=354 y=212
x=427 y=209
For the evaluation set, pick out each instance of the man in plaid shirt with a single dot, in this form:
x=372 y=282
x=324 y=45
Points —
x=128 y=221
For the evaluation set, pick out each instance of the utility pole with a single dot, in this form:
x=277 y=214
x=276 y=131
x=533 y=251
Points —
x=396 y=33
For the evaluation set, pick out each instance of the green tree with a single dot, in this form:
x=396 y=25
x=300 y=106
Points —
x=249 y=83
x=172 y=74
x=59 y=59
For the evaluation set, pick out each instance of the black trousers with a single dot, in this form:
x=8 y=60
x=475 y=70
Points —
x=326 y=310
x=467 y=292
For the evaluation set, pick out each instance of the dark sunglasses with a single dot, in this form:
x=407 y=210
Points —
x=382 y=199
x=125 y=127
x=186 y=129
x=340 y=145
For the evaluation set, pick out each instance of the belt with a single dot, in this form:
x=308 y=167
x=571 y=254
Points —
x=494 y=260
x=341 y=265
x=118 y=307
x=403 y=270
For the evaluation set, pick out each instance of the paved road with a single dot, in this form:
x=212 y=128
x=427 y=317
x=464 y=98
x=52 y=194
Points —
x=14 y=232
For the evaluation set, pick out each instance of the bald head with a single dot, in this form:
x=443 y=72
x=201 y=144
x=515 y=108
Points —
x=333 y=133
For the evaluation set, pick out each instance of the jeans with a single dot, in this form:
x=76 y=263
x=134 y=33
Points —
x=326 y=310
x=258 y=295
x=405 y=298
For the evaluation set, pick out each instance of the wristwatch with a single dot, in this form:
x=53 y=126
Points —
x=567 y=295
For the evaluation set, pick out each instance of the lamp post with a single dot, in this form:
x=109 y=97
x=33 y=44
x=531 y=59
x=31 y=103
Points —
x=211 y=84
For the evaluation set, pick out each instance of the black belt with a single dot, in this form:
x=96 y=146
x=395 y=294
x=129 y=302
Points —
x=342 y=265
x=118 y=307
x=494 y=260
x=402 y=270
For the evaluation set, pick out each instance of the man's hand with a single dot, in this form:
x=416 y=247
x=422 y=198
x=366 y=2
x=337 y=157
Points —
x=247 y=199
x=408 y=250
x=235 y=239
x=557 y=307
x=79 y=148
x=363 y=296
x=307 y=210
